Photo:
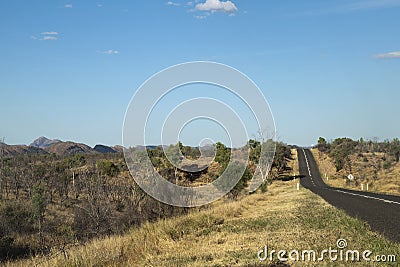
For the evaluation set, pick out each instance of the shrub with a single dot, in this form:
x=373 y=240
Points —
x=15 y=217
x=106 y=167
x=387 y=165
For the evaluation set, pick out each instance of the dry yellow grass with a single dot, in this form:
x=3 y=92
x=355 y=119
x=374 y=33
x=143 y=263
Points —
x=230 y=234
x=385 y=181
x=293 y=164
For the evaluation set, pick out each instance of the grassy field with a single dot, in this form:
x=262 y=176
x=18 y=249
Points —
x=231 y=234
x=366 y=169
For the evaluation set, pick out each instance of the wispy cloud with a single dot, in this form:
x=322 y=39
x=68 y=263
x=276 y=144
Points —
x=395 y=54
x=49 y=38
x=68 y=6
x=199 y=17
x=46 y=36
x=217 y=6
x=110 y=52
x=49 y=33
x=99 y=5
x=170 y=3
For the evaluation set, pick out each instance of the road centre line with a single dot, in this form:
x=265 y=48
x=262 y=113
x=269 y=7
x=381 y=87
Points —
x=308 y=166
x=376 y=198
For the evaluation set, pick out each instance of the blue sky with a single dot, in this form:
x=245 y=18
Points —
x=68 y=69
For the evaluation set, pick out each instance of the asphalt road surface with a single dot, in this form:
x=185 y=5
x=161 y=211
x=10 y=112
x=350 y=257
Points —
x=381 y=212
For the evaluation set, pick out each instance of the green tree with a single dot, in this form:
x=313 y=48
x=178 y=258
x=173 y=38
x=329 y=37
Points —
x=223 y=155
x=282 y=152
x=76 y=160
x=341 y=150
x=106 y=167
x=254 y=150
x=180 y=145
x=322 y=144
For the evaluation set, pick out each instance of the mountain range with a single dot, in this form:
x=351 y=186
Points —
x=43 y=145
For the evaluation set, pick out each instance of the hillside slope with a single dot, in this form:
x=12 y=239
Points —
x=15 y=150
x=367 y=168
x=67 y=148
x=231 y=234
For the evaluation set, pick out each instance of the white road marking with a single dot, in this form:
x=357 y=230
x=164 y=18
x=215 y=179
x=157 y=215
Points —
x=308 y=166
x=376 y=198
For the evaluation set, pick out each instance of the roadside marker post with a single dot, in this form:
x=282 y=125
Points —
x=362 y=187
x=298 y=186
x=367 y=186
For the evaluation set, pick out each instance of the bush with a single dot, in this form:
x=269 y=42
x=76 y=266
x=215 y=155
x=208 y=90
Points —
x=15 y=217
x=263 y=187
x=387 y=165
x=106 y=167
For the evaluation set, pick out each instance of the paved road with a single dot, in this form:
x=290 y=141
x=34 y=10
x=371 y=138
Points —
x=382 y=212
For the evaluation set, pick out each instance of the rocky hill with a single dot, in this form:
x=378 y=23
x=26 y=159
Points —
x=13 y=150
x=43 y=142
x=67 y=148
x=104 y=149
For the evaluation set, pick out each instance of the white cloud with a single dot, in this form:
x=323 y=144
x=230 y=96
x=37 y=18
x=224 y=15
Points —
x=110 y=52
x=68 y=6
x=99 y=5
x=46 y=36
x=395 y=54
x=49 y=38
x=49 y=33
x=170 y=3
x=199 y=17
x=217 y=5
